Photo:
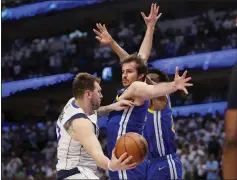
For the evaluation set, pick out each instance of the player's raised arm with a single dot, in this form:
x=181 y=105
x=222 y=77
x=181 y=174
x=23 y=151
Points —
x=118 y=106
x=150 y=21
x=103 y=36
x=143 y=91
x=83 y=130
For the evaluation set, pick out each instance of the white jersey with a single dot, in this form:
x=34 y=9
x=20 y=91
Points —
x=71 y=153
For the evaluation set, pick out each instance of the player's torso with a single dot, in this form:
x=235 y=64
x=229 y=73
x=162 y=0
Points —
x=159 y=132
x=129 y=120
x=71 y=153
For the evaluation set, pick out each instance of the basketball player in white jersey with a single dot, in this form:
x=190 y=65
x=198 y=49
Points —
x=79 y=151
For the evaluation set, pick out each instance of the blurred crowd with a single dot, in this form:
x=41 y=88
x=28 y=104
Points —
x=79 y=50
x=30 y=150
x=200 y=145
x=15 y=3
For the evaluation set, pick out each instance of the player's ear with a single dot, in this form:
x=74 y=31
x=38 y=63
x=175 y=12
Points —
x=141 y=77
x=88 y=94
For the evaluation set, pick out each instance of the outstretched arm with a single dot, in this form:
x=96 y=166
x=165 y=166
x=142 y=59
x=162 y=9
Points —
x=118 y=106
x=105 y=38
x=142 y=91
x=150 y=21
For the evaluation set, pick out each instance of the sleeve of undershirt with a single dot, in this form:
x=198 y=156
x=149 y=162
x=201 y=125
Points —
x=232 y=96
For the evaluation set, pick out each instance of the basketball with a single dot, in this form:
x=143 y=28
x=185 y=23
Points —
x=134 y=144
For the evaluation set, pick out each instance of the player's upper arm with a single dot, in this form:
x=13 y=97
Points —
x=79 y=128
x=83 y=131
x=138 y=90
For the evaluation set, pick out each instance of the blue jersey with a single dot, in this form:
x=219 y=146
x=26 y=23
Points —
x=159 y=132
x=122 y=122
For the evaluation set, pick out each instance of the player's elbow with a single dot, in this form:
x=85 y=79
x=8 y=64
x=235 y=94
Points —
x=142 y=90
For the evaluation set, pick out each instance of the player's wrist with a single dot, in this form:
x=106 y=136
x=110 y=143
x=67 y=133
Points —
x=109 y=166
x=112 y=42
x=151 y=27
x=174 y=86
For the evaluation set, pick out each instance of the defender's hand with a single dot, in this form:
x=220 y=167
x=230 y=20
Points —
x=153 y=16
x=180 y=82
x=103 y=35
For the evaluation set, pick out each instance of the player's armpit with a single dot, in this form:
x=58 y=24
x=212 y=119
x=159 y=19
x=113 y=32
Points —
x=68 y=125
x=159 y=103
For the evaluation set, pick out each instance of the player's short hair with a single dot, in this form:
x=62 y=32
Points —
x=163 y=77
x=141 y=65
x=83 y=82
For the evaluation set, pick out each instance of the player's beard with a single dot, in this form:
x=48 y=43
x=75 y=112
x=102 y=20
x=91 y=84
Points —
x=95 y=105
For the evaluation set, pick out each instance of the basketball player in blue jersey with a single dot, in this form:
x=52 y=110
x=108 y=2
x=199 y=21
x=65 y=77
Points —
x=133 y=119
x=163 y=162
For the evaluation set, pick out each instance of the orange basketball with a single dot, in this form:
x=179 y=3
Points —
x=134 y=144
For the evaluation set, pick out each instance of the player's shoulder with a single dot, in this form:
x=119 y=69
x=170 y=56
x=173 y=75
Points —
x=70 y=110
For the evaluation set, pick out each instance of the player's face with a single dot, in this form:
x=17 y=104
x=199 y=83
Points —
x=154 y=77
x=129 y=73
x=96 y=96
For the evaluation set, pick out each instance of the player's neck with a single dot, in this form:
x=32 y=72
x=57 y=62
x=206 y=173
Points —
x=85 y=105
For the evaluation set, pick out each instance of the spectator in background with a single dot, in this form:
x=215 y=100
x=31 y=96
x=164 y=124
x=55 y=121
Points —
x=214 y=146
x=201 y=173
x=212 y=167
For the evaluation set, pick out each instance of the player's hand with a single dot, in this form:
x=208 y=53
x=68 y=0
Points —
x=180 y=82
x=153 y=16
x=122 y=104
x=102 y=35
x=122 y=163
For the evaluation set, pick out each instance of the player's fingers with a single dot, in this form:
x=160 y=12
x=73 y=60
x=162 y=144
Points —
x=104 y=27
x=128 y=103
x=98 y=38
x=176 y=72
x=188 y=84
x=97 y=32
x=187 y=79
x=185 y=90
x=157 y=9
x=127 y=160
x=184 y=74
x=158 y=17
x=131 y=103
x=153 y=9
x=98 y=25
x=131 y=166
x=152 y=6
x=123 y=157
x=143 y=15
x=101 y=27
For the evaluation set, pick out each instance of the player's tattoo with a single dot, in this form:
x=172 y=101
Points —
x=68 y=127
